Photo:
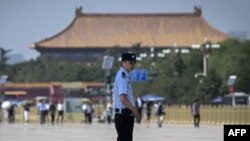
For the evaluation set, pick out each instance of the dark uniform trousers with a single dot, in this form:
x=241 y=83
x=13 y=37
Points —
x=124 y=125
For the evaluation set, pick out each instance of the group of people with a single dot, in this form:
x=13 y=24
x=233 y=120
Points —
x=45 y=109
x=45 y=112
x=7 y=111
x=125 y=107
x=160 y=113
x=88 y=111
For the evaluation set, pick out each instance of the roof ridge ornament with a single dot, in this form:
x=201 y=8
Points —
x=78 y=11
x=197 y=10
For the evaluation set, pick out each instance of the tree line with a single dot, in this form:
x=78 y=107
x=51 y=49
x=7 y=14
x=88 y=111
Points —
x=171 y=77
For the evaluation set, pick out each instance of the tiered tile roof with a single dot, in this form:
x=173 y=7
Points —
x=150 y=30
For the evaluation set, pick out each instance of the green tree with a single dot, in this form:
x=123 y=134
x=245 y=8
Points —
x=3 y=56
x=173 y=78
x=4 y=67
x=232 y=59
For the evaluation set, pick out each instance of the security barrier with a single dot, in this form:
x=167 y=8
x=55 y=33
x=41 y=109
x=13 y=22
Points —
x=209 y=114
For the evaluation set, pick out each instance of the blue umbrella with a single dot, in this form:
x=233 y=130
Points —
x=150 y=97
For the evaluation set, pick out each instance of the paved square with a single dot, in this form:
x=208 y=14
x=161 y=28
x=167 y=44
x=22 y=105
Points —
x=104 y=132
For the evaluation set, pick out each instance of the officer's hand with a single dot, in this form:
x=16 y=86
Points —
x=135 y=113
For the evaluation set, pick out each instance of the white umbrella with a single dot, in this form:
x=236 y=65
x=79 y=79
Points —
x=150 y=97
x=6 y=104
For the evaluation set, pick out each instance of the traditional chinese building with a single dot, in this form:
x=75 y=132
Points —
x=54 y=91
x=88 y=36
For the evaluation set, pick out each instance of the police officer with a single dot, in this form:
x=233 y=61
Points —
x=124 y=104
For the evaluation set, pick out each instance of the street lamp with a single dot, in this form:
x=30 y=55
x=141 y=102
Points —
x=230 y=82
x=205 y=49
x=107 y=65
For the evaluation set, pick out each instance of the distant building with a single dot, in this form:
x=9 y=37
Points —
x=88 y=36
x=54 y=91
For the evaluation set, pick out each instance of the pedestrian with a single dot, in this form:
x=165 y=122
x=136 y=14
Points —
x=26 y=110
x=60 y=112
x=52 y=111
x=160 y=114
x=84 y=110
x=148 y=113
x=139 y=104
x=11 y=113
x=1 y=111
x=47 y=105
x=41 y=111
x=108 y=113
x=124 y=104
x=195 y=109
x=90 y=111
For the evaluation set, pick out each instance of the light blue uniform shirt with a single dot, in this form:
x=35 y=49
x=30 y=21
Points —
x=122 y=85
x=41 y=106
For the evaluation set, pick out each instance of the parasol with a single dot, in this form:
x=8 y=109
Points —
x=151 y=97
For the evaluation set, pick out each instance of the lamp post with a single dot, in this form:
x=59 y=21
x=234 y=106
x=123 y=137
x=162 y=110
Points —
x=205 y=49
x=107 y=65
x=230 y=82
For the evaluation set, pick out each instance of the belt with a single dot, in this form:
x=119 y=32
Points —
x=124 y=111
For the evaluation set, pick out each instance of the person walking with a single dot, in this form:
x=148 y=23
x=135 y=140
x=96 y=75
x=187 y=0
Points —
x=148 y=112
x=124 y=104
x=195 y=109
x=47 y=105
x=139 y=104
x=160 y=114
x=84 y=110
x=90 y=111
x=11 y=114
x=108 y=113
x=1 y=114
x=60 y=110
x=52 y=111
x=26 y=110
x=41 y=108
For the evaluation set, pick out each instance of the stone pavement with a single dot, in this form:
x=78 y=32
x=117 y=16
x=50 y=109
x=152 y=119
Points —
x=104 y=132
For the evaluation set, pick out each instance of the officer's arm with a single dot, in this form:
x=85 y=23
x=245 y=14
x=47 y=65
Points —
x=127 y=104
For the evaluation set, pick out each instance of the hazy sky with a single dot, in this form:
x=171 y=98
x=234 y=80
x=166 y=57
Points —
x=23 y=22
